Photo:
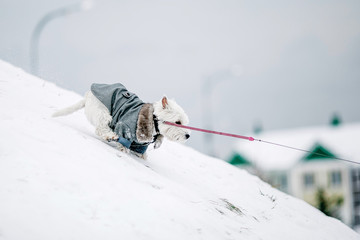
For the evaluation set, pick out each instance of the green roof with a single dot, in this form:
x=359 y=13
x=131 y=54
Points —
x=237 y=159
x=318 y=152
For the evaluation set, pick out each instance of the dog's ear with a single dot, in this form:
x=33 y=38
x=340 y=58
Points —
x=164 y=102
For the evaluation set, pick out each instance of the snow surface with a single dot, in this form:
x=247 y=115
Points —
x=59 y=181
x=341 y=141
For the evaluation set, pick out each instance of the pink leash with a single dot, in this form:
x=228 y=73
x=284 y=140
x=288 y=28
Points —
x=209 y=131
x=254 y=139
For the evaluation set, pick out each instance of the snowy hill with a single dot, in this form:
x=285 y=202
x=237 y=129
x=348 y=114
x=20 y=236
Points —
x=59 y=181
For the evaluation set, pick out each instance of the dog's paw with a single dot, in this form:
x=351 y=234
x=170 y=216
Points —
x=122 y=148
x=111 y=137
x=139 y=155
x=157 y=144
x=158 y=141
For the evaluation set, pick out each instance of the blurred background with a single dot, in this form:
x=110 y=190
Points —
x=245 y=67
x=234 y=66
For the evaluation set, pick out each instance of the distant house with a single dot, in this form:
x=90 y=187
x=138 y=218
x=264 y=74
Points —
x=331 y=185
x=240 y=161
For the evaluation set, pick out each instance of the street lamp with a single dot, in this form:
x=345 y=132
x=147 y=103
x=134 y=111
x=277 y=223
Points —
x=61 y=12
x=210 y=82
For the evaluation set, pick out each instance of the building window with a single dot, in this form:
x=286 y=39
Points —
x=356 y=220
x=355 y=175
x=357 y=199
x=335 y=178
x=309 y=180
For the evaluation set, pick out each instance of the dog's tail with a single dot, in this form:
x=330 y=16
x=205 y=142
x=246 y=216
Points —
x=71 y=109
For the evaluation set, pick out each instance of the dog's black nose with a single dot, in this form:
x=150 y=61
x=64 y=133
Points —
x=187 y=136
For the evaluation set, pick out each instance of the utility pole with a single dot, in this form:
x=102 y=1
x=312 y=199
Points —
x=61 y=12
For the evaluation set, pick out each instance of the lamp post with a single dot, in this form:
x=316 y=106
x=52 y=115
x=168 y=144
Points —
x=61 y=12
x=210 y=82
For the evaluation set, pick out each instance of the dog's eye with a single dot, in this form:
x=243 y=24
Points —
x=178 y=122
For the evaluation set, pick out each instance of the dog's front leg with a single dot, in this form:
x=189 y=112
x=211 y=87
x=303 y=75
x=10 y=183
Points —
x=158 y=141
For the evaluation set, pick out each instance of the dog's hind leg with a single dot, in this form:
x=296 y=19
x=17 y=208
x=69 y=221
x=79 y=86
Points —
x=105 y=132
x=100 y=117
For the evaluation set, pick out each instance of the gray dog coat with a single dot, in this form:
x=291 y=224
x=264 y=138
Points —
x=132 y=119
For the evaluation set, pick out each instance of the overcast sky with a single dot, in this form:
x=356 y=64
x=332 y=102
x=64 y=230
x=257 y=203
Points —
x=281 y=64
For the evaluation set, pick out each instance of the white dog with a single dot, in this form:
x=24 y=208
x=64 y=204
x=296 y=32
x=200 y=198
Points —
x=119 y=115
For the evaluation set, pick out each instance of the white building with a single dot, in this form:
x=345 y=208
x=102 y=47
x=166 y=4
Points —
x=303 y=174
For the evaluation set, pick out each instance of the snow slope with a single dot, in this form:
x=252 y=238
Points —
x=59 y=181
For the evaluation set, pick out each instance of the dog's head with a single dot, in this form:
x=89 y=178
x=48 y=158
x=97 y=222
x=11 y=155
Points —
x=169 y=110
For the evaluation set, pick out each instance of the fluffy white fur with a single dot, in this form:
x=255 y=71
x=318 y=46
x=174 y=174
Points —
x=99 y=116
